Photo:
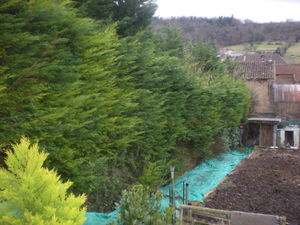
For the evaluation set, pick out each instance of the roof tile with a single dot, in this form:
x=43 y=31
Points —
x=257 y=70
x=293 y=69
x=255 y=57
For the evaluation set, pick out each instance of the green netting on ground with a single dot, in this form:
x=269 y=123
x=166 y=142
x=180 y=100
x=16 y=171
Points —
x=94 y=218
x=207 y=175
x=201 y=180
x=165 y=202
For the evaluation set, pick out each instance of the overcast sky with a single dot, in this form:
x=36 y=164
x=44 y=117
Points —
x=255 y=10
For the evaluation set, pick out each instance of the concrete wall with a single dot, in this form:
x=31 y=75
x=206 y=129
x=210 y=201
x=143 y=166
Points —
x=296 y=136
x=242 y=218
x=263 y=101
x=261 y=96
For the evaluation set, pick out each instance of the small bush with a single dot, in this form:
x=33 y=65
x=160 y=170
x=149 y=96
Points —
x=33 y=195
x=230 y=138
x=140 y=206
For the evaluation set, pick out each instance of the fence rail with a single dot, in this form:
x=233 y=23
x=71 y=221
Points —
x=196 y=215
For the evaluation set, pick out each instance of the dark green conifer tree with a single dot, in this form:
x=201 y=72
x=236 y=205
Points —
x=59 y=86
x=108 y=108
x=131 y=16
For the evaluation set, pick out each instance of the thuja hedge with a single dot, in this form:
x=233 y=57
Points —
x=107 y=107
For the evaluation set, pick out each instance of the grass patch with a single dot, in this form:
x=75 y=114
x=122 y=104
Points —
x=261 y=46
x=237 y=48
x=269 y=46
x=292 y=55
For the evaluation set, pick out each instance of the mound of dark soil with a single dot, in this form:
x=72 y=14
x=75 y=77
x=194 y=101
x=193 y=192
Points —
x=268 y=182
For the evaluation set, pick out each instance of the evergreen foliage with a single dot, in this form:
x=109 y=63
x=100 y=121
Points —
x=218 y=100
x=169 y=40
x=131 y=16
x=33 y=195
x=59 y=86
x=140 y=206
x=154 y=174
x=230 y=138
x=109 y=110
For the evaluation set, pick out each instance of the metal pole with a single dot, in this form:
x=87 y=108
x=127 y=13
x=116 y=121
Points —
x=183 y=186
x=187 y=193
x=172 y=169
x=241 y=133
x=170 y=197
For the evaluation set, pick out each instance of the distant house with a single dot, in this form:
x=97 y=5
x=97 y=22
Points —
x=229 y=53
x=261 y=57
x=274 y=118
x=288 y=73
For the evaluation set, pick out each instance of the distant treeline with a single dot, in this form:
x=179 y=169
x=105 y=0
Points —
x=224 y=31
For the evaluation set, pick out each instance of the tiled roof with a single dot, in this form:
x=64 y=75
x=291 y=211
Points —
x=255 y=70
x=289 y=70
x=268 y=57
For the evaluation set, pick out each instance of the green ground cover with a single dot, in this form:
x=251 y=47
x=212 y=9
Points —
x=262 y=46
x=237 y=48
x=292 y=55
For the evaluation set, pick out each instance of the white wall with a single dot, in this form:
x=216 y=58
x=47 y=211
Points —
x=296 y=132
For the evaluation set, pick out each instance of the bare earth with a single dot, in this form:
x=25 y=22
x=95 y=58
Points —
x=267 y=182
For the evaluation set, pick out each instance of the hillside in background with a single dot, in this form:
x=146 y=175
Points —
x=226 y=31
x=289 y=51
x=292 y=54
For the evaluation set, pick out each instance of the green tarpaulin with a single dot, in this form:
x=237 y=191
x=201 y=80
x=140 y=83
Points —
x=201 y=180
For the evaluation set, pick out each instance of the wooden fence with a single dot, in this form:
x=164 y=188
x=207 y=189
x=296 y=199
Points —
x=194 y=215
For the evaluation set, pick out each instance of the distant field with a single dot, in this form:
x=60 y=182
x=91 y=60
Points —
x=238 y=48
x=269 y=46
x=263 y=46
x=292 y=55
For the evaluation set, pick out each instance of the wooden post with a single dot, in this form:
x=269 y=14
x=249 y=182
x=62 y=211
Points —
x=172 y=169
x=187 y=193
x=190 y=215
x=275 y=135
x=260 y=135
x=181 y=216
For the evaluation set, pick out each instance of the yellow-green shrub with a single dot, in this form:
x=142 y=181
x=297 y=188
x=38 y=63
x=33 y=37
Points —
x=33 y=195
